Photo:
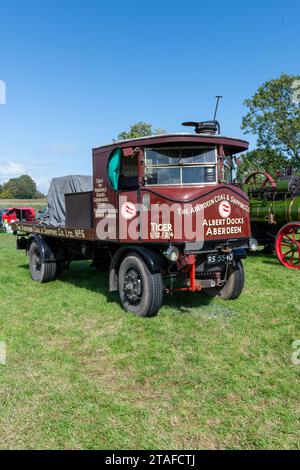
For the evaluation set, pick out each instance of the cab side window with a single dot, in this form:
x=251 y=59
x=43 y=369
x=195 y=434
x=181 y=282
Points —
x=122 y=171
x=129 y=173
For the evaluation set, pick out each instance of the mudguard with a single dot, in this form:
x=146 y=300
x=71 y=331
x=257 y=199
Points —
x=45 y=250
x=155 y=261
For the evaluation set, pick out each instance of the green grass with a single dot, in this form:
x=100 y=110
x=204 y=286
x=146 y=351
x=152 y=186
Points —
x=36 y=203
x=81 y=373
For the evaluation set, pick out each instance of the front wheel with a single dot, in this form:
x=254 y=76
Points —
x=233 y=286
x=141 y=292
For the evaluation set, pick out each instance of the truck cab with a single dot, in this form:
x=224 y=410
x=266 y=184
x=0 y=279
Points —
x=174 y=195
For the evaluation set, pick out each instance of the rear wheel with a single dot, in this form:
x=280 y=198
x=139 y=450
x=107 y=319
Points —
x=141 y=292
x=233 y=286
x=40 y=271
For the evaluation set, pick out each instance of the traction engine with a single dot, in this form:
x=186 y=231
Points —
x=275 y=214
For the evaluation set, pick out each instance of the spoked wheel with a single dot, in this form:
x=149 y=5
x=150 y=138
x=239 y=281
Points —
x=288 y=245
x=141 y=292
x=260 y=180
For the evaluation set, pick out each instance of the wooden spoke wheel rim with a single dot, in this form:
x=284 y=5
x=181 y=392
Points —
x=260 y=180
x=288 y=245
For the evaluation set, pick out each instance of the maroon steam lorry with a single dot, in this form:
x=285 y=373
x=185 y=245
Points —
x=161 y=213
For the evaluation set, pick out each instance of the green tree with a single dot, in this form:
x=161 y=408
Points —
x=19 y=188
x=6 y=194
x=40 y=195
x=262 y=159
x=274 y=116
x=139 y=129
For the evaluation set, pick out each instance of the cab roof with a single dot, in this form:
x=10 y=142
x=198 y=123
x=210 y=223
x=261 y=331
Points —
x=231 y=145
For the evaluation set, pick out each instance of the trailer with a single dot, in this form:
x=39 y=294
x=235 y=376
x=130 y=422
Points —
x=161 y=214
x=275 y=213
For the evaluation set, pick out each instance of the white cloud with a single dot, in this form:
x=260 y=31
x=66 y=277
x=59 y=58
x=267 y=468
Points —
x=61 y=148
x=11 y=170
x=41 y=174
x=43 y=183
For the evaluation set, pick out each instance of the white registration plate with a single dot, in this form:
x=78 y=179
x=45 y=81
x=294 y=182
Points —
x=220 y=258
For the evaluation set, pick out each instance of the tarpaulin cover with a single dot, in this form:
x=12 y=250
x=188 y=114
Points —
x=56 y=213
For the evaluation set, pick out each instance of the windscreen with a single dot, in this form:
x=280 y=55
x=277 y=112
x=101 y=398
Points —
x=180 y=166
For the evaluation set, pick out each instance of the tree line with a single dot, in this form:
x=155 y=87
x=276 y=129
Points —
x=23 y=187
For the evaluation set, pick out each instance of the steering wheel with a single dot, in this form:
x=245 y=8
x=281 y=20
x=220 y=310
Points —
x=260 y=180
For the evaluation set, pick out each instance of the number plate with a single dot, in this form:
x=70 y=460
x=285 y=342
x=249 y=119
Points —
x=220 y=258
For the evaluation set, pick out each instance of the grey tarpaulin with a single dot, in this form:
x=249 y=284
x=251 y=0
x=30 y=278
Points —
x=56 y=213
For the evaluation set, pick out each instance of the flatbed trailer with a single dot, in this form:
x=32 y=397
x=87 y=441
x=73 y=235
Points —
x=163 y=215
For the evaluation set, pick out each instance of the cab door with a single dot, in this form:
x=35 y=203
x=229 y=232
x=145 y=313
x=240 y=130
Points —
x=128 y=197
x=129 y=224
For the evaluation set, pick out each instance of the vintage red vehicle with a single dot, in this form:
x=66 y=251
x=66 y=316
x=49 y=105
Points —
x=161 y=215
x=14 y=214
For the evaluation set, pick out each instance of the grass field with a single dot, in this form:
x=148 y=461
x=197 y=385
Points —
x=81 y=373
x=36 y=203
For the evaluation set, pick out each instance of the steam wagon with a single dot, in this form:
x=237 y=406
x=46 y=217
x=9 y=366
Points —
x=159 y=214
x=275 y=214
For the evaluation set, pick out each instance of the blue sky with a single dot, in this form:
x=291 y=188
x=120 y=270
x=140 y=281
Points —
x=79 y=72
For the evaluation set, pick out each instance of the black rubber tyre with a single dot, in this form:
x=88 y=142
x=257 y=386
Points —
x=233 y=286
x=141 y=292
x=40 y=271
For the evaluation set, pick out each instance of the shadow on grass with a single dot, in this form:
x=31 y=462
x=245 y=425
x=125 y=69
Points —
x=266 y=258
x=261 y=254
x=81 y=274
x=272 y=262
